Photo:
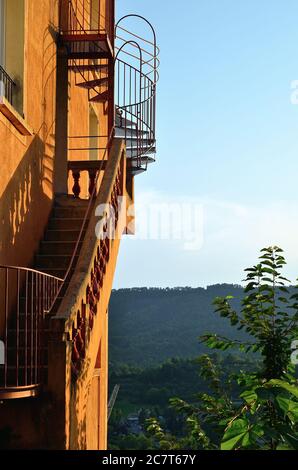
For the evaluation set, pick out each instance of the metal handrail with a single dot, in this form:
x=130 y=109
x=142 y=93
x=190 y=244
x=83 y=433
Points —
x=22 y=268
x=142 y=112
x=83 y=137
x=136 y=35
x=148 y=62
x=156 y=50
x=153 y=43
x=83 y=8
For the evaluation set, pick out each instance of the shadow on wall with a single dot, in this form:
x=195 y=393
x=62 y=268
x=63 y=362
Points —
x=26 y=202
x=24 y=212
x=78 y=409
x=47 y=129
x=24 y=208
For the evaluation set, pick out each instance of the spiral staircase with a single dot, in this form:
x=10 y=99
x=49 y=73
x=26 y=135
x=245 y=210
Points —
x=97 y=55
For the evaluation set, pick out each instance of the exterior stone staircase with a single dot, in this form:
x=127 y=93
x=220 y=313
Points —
x=61 y=235
x=27 y=363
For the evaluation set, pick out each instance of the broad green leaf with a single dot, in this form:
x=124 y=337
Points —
x=285 y=385
x=268 y=263
x=269 y=271
x=234 y=434
x=263 y=393
x=224 y=422
x=289 y=407
x=249 y=396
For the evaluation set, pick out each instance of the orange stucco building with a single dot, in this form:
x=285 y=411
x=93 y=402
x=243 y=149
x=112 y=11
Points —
x=77 y=124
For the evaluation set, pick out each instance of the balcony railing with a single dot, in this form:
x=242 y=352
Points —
x=25 y=297
x=7 y=85
x=91 y=167
x=84 y=147
x=86 y=17
x=136 y=72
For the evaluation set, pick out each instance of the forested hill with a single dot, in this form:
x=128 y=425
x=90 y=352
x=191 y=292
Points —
x=148 y=326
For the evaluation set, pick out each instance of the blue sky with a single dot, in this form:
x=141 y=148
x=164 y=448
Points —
x=227 y=138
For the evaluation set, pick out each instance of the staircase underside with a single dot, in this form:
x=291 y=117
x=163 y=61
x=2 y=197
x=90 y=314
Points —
x=88 y=46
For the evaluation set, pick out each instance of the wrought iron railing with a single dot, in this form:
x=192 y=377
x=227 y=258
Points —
x=76 y=168
x=26 y=296
x=86 y=16
x=96 y=145
x=136 y=69
x=7 y=85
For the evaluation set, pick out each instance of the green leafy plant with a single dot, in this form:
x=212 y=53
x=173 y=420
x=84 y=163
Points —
x=264 y=413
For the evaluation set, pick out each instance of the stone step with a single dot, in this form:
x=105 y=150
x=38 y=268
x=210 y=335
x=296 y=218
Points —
x=61 y=212
x=58 y=247
x=62 y=224
x=70 y=201
x=43 y=262
x=62 y=235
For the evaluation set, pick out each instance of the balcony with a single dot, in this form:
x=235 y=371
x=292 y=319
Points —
x=25 y=297
x=87 y=29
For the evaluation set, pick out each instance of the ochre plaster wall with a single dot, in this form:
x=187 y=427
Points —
x=26 y=175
